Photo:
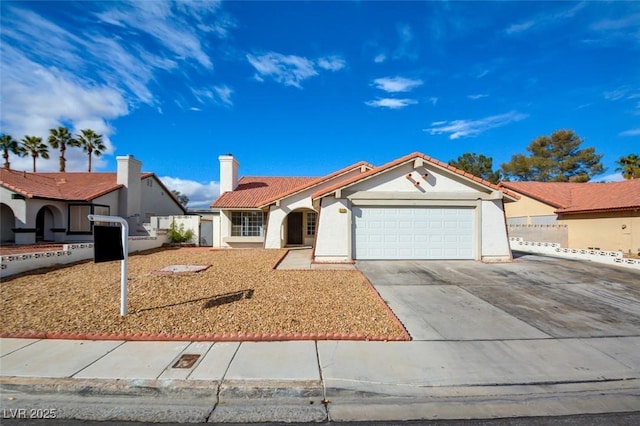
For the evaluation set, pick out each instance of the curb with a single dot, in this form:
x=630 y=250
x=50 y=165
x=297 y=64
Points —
x=225 y=337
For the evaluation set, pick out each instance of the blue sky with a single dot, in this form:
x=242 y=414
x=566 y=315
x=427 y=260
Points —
x=305 y=88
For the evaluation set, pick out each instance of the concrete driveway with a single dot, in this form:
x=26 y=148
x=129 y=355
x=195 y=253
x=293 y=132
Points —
x=533 y=297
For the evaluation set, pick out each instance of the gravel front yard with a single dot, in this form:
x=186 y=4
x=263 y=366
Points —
x=239 y=293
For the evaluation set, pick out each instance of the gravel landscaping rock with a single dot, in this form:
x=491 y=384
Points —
x=239 y=293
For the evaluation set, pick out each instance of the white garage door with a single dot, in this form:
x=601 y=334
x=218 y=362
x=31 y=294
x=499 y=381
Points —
x=413 y=233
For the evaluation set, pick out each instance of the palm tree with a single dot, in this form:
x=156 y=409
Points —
x=9 y=145
x=61 y=137
x=91 y=143
x=32 y=145
x=629 y=166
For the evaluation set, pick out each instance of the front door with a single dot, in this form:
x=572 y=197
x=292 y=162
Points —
x=294 y=228
x=40 y=224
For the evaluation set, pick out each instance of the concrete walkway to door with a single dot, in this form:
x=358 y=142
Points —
x=300 y=258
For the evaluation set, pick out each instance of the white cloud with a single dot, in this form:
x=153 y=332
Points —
x=632 y=21
x=78 y=75
x=521 y=27
x=217 y=94
x=224 y=93
x=391 y=103
x=201 y=195
x=27 y=91
x=477 y=96
x=615 y=177
x=396 y=84
x=620 y=93
x=380 y=58
x=630 y=132
x=615 y=95
x=173 y=31
x=470 y=128
x=406 y=47
x=331 y=63
x=544 y=20
x=433 y=100
x=291 y=70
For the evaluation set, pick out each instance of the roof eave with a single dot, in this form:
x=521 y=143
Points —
x=597 y=210
x=519 y=192
x=317 y=182
x=447 y=168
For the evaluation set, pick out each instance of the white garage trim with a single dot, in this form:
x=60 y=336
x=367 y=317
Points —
x=402 y=232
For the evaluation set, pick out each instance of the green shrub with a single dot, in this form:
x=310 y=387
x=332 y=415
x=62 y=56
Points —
x=177 y=234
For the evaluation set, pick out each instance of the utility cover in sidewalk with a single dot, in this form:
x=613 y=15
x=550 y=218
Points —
x=182 y=269
x=186 y=361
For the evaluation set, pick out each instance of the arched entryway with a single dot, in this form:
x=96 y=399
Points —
x=45 y=223
x=300 y=227
x=7 y=223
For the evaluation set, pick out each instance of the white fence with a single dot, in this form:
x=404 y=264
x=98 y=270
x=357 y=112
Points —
x=191 y=222
x=553 y=249
x=70 y=253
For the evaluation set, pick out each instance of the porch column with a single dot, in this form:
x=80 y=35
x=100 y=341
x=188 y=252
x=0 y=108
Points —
x=275 y=219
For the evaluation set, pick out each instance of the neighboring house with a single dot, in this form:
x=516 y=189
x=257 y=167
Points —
x=415 y=207
x=54 y=206
x=604 y=216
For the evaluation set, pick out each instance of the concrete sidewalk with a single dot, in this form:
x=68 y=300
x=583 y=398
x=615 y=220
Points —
x=315 y=381
x=300 y=258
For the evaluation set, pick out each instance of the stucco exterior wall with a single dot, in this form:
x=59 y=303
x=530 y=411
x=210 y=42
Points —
x=276 y=233
x=495 y=241
x=111 y=199
x=396 y=180
x=604 y=231
x=128 y=174
x=19 y=207
x=527 y=207
x=155 y=201
x=333 y=242
x=217 y=237
x=274 y=237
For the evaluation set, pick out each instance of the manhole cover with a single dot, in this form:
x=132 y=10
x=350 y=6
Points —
x=181 y=269
x=186 y=361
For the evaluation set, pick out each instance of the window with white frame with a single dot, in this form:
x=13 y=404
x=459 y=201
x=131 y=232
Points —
x=311 y=224
x=79 y=217
x=247 y=224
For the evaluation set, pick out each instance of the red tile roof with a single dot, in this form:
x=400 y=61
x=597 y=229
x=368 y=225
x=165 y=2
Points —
x=253 y=192
x=406 y=159
x=68 y=186
x=361 y=164
x=569 y=197
x=259 y=192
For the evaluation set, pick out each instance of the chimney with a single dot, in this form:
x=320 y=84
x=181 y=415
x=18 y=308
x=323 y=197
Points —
x=130 y=198
x=228 y=173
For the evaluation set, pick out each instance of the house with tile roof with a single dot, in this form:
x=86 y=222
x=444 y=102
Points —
x=54 y=206
x=604 y=216
x=415 y=207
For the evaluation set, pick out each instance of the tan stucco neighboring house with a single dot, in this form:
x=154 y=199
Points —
x=604 y=216
x=415 y=207
x=54 y=206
